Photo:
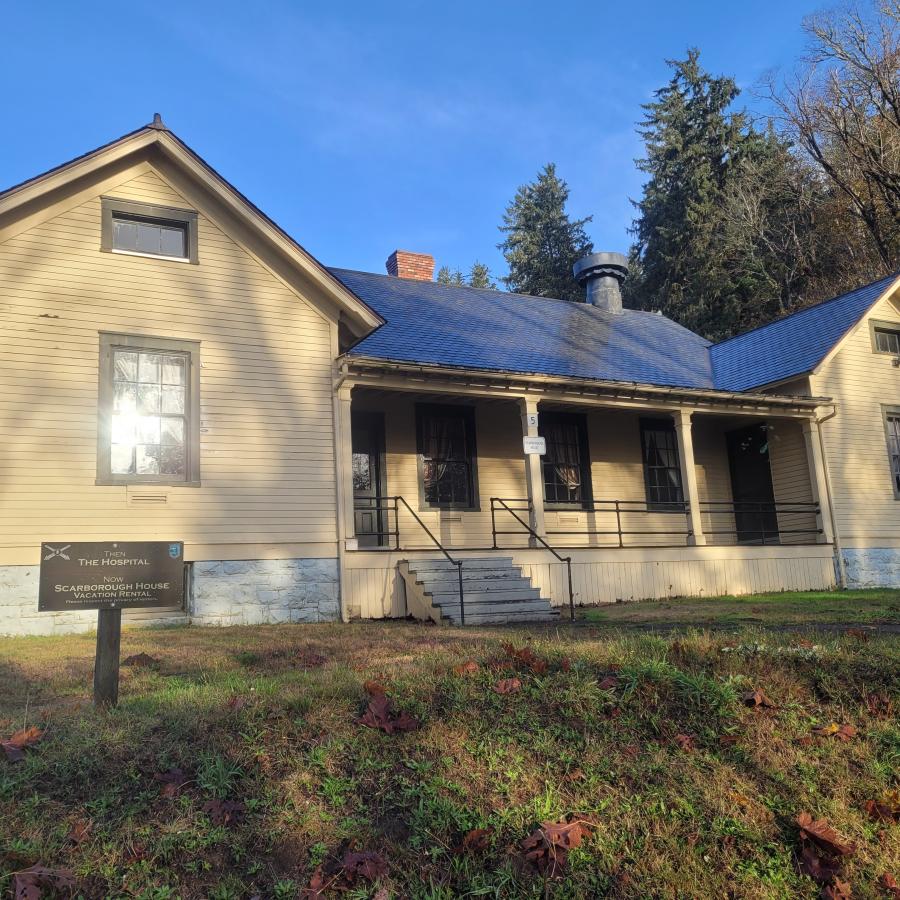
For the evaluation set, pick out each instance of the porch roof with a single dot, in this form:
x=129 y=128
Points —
x=468 y=328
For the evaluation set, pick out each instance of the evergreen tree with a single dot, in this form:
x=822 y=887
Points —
x=480 y=276
x=693 y=144
x=452 y=277
x=542 y=243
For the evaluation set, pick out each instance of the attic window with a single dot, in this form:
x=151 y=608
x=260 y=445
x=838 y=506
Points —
x=141 y=229
x=887 y=340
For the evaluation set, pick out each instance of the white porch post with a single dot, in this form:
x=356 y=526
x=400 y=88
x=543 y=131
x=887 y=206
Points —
x=345 y=467
x=817 y=480
x=689 y=474
x=534 y=478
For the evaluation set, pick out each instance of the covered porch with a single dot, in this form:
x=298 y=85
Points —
x=640 y=492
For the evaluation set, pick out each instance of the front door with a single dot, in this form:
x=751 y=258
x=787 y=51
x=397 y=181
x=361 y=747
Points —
x=370 y=516
x=751 y=486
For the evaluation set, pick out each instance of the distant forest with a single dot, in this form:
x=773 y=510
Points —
x=743 y=220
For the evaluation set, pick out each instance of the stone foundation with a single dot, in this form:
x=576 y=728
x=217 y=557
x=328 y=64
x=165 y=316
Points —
x=18 y=607
x=871 y=567
x=233 y=592
x=263 y=591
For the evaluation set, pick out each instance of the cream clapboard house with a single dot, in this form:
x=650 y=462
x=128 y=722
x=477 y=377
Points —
x=334 y=444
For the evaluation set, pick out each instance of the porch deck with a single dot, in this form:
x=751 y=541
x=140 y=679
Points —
x=641 y=502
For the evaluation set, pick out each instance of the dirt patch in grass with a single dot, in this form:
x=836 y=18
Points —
x=236 y=767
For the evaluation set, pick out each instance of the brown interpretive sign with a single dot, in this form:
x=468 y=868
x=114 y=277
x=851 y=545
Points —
x=111 y=575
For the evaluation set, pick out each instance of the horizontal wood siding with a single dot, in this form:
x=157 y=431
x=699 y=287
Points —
x=616 y=472
x=791 y=481
x=267 y=458
x=860 y=381
x=610 y=575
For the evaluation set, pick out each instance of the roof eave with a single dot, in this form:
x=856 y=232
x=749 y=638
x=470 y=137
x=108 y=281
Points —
x=709 y=394
x=364 y=317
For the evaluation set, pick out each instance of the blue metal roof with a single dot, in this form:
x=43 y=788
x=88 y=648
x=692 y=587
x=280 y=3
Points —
x=435 y=324
x=791 y=346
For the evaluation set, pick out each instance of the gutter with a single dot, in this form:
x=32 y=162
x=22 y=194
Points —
x=769 y=400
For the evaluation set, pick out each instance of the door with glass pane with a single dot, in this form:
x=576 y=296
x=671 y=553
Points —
x=369 y=481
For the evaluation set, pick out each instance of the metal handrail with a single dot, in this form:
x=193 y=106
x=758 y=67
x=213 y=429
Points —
x=760 y=508
x=616 y=507
x=396 y=533
x=566 y=559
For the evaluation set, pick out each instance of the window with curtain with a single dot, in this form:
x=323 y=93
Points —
x=892 y=427
x=566 y=464
x=662 y=468
x=446 y=437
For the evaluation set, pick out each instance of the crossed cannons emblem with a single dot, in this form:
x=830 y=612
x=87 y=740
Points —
x=53 y=552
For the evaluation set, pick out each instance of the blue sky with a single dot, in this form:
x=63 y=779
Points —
x=362 y=127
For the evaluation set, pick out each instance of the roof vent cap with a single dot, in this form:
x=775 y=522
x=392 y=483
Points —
x=602 y=275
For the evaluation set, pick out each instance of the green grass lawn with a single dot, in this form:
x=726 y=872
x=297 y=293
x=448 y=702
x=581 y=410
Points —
x=872 y=607
x=623 y=729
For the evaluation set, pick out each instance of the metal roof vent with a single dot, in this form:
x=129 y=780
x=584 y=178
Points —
x=602 y=275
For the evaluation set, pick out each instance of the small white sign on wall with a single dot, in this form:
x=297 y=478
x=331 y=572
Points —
x=532 y=420
x=536 y=445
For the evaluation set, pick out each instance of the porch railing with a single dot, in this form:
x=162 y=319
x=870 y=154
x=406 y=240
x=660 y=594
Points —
x=615 y=517
x=760 y=521
x=498 y=503
x=392 y=505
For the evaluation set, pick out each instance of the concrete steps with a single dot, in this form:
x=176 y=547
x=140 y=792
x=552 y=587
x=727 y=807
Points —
x=494 y=592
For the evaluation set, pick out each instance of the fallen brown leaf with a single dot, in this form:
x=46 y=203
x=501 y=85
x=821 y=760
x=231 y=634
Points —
x=508 y=686
x=476 y=841
x=28 y=883
x=841 y=732
x=857 y=633
x=236 y=702
x=728 y=740
x=685 y=742
x=528 y=658
x=889 y=884
x=887 y=809
x=837 y=890
x=172 y=782
x=548 y=847
x=15 y=745
x=380 y=713
x=367 y=865
x=373 y=687
x=823 y=835
x=608 y=683
x=466 y=668
x=820 y=867
x=79 y=831
x=223 y=812
x=758 y=700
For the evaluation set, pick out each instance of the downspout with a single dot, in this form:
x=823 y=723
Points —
x=842 y=571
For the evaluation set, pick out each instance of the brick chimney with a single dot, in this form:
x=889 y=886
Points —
x=405 y=264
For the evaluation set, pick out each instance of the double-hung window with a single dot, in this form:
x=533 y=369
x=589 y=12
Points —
x=662 y=469
x=446 y=446
x=892 y=433
x=566 y=464
x=149 y=411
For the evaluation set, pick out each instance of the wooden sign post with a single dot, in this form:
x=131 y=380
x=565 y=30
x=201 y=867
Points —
x=106 y=659
x=109 y=577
